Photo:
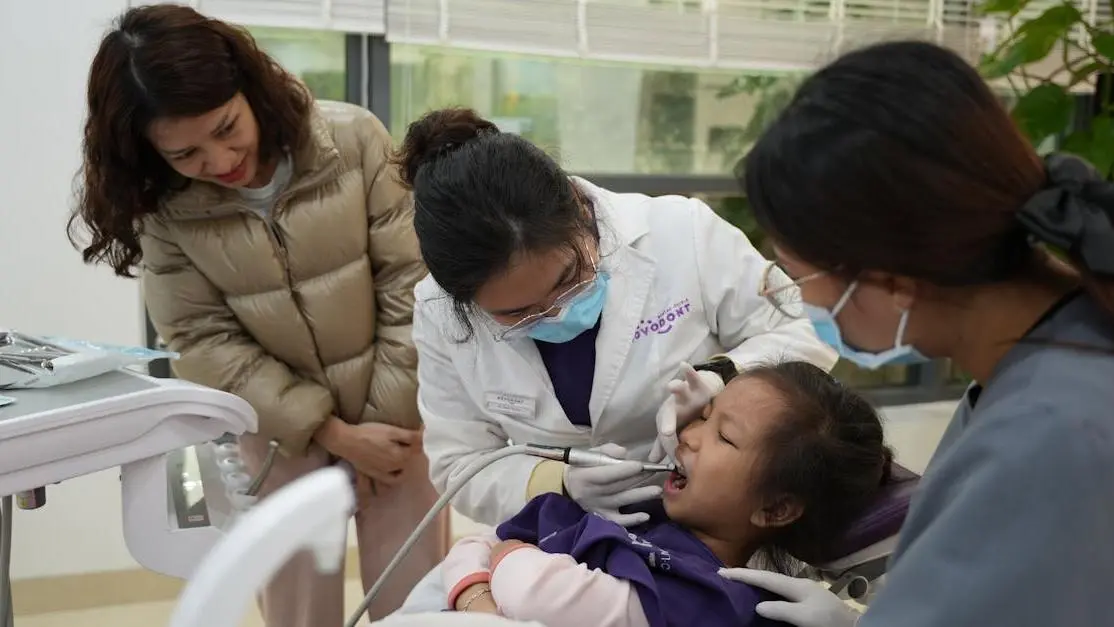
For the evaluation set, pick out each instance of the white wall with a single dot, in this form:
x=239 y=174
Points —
x=43 y=64
x=45 y=49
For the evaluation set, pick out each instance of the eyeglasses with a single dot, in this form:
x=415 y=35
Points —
x=782 y=292
x=567 y=297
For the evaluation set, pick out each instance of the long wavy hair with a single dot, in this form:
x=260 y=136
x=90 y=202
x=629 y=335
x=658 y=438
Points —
x=167 y=61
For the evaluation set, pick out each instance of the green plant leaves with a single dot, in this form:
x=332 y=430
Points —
x=1044 y=111
x=1095 y=144
x=1102 y=151
x=1104 y=44
x=1085 y=73
x=748 y=84
x=1034 y=40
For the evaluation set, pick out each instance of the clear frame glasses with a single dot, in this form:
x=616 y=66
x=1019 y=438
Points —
x=522 y=326
x=782 y=292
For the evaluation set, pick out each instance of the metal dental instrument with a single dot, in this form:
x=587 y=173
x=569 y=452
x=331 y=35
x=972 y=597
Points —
x=580 y=457
x=571 y=456
x=27 y=354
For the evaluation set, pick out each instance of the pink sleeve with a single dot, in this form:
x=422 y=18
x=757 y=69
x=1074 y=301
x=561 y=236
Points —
x=467 y=564
x=530 y=584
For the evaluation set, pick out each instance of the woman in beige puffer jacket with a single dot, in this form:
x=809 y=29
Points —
x=278 y=256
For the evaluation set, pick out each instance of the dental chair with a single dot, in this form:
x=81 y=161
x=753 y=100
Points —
x=857 y=569
x=310 y=513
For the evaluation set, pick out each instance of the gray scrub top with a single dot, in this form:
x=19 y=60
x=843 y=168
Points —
x=1013 y=523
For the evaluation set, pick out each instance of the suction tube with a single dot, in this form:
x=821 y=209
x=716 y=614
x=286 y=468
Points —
x=465 y=477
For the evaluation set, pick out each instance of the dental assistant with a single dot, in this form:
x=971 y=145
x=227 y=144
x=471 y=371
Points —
x=556 y=312
x=918 y=221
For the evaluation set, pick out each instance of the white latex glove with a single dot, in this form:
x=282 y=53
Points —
x=687 y=397
x=807 y=603
x=604 y=489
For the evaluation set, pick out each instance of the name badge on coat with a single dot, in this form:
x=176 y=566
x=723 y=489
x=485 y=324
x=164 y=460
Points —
x=510 y=404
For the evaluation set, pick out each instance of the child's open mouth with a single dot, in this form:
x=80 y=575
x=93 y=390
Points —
x=677 y=480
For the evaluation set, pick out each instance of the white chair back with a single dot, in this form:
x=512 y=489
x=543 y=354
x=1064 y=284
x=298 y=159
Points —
x=309 y=514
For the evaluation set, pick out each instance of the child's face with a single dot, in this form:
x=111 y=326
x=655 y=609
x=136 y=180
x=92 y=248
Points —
x=719 y=457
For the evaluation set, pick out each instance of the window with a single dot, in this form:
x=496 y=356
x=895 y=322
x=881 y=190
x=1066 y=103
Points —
x=317 y=57
x=858 y=378
x=956 y=376
x=632 y=127
x=602 y=118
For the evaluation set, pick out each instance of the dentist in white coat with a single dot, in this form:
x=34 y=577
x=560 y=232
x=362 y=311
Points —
x=557 y=312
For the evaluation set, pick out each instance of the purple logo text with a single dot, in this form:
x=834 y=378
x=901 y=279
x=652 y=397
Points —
x=663 y=323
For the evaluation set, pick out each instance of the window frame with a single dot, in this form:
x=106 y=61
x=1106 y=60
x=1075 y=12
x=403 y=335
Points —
x=368 y=83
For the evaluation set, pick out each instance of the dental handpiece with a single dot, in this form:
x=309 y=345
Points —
x=579 y=457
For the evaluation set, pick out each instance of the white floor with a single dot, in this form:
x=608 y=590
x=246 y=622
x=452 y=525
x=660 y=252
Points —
x=913 y=431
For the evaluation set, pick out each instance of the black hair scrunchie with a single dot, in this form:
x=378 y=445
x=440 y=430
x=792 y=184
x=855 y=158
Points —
x=1074 y=212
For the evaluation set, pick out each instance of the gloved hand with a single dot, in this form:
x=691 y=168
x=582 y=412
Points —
x=807 y=603
x=604 y=489
x=687 y=397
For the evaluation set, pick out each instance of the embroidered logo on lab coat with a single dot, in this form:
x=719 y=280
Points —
x=665 y=321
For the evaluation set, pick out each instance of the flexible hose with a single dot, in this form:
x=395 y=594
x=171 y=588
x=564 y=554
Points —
x=465 y=477
x=268 y=462
x=7 y=612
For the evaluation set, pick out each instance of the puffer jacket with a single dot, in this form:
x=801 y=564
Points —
x=307 y=314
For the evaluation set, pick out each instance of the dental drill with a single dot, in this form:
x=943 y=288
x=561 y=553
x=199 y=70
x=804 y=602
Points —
x=582 y=458
x=568 y=455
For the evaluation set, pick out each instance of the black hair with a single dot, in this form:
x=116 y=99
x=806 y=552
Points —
x=481 y=197
x=827 y=451
x=899 y=158
x=167 y=61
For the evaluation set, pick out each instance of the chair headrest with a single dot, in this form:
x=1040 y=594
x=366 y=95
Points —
x=884 y=518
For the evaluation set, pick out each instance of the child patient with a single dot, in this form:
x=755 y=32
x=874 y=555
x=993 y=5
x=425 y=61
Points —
x=779 y=466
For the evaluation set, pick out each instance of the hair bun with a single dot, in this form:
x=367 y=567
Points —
x=435 y=135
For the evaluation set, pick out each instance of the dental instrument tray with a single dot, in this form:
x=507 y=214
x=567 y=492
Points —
x=57 y=433
x=28 y=361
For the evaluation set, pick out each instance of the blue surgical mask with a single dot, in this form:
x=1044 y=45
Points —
x=576 y=317
x=827 y=329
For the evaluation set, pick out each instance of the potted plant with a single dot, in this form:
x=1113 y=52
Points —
x=1045 y=59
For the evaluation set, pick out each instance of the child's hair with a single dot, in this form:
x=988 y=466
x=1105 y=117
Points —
x=828 y=451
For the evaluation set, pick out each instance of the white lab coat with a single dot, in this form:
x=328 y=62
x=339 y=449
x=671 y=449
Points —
x=683 y=287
